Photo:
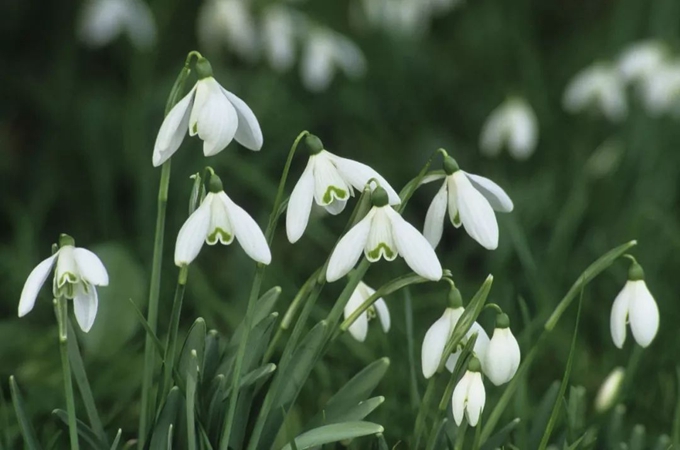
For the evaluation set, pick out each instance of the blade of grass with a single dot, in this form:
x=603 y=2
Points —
x=27 y=431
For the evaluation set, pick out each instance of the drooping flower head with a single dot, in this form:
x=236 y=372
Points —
x=502 y=355
x=641 y=60
x=78 y=271
x=359 y=328
x=513 y=124
x=102 y=21
x=598 y=87
x=469 y=395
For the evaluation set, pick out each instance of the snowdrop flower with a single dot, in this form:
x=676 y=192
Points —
x=469 y=395
x=212 y=112
x=514 y=124
x=228 y=22
x=598 y=87
x=329 y=180
x=661 y=90
x=104 y=20
x=642 y=60
x=219 y=219
x=471 y=201
x=78 y=271
x=636 y=305
x=502 y=355
x=609 y=390
x=278 y=33
x=383 y=233
x=359 y=327
x=325 y=51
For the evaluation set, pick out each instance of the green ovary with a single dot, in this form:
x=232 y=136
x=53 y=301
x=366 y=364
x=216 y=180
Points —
x=333 y=191
x=375 y=253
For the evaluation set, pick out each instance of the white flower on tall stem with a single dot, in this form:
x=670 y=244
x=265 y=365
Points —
x=78 y=271
x=214 y=114
x=103 y=21
x=600 y=88
x=471 y=201
x=278 y=34
x=359 y=328
x=502 y=355
x=219 y=219
x=634 y=305
x=512 y=124
x=330 y=181
x=383 y=233
x=228 y=22
x=469 y=395
x=661 y=90
x=641 y=60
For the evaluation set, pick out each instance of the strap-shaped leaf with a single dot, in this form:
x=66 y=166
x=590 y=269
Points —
x=25 y=425
x=334 y=433
x=84 y=431
x=162 y=434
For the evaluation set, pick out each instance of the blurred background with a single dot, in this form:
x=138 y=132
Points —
x=578 y=102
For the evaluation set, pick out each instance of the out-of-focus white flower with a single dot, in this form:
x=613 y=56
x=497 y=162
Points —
x=212 y=112
x=609 y=390
x=78 y=272
x=406 y=17
x=103 y=21
x=329 y=180
x=598 y=87
x=325 y=52
x=278 y=34
x=642 y=59
x=359 y=328
x=471 y=201
x=661 y=90
x=502 y=355
x=219 y=219
x=383 y=233
x=513 y=124
x=469 y=395
x=229 y=23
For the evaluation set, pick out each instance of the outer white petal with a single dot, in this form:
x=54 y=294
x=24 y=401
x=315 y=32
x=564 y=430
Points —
x=349 y=249
x=140 y=24
x=357 y=174
x=476 y=213
x=173 y=129
x=279 y=37
x=434 y=220
x=247 y=231
x=643 y=315
x=460 y=398
x=434 y=342
x=248 y=133
x=476 y=398
x=524 y=130
x=193 y=233
x=300 y=204
x=502 y=357
x=91 y=267
x=482 y=342
x=380 y=242
x=432 y=177
x=452 y=361
x=413 y=246
x=85 y=305
x=383 y=314
x=213 y=117
x=358 y=329
x=317 y=66
x=619 y=314
x=33 y=284
x=493 y=193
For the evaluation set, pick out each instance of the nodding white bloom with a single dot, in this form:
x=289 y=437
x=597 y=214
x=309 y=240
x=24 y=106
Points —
x=609 y=390
x=214 y=114
x=600 y=88
x=77 y=273
x=641 y=60
x=359 y=329
x=229 y=23
x=324 y=52
x=469 y=395
x=219 y=219
x=513 y=124
x=471 y=201
x=502 y=355
x=661 y=90
x=409 y=18
x=636 y=305
x=103 y=21
x=330 y=181
x=383 y=233
x=278 y=34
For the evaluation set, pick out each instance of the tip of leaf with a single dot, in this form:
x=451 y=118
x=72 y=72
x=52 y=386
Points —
x=385 y=360
x=199 y=320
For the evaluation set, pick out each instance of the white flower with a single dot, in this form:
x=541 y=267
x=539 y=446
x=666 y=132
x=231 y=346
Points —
x=278 y=33
x=636 y=305
x=439 y=334
x=609 y=390
x=228 y=22
x=77 y=273
x=359 y=327
x=641 y=60
x=104 y=20
x=471 y=201
x=469 y=396
x=502 y=355
x=383 y=233
x=329 y=180
x=514 y=124
x=598 y=87
x=661 y=90
x=326 y=51
x=219 y=219
x=212 y=112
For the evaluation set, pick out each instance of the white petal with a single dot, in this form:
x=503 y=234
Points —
x=383 y=314
x=220 y=229
x=434 y=342
x=452 y=361
x=482 y=342
x=644 y=315
x=213 y=117
x=85 y=305
x=380 y=241
x=454 y=213
x=619 y=314
x=317 y=65
x=328 y=183
x=300 y=204
x=493 y=193
x=247 y=232
x=33 y=284
x=336 y=207
x=524 y=131
x=432 y=177
x=501 y=357
x=67 y=269
x=359 y=328
x=459 y=398
x=476 y=213
x=349 y=249
x=173 y=129
x=417 y=252
x=358 y=174
x=140 y=25
x=193 y=233
x=248 y=133
x=434 y=220
x=91 y=267
x=475 y=399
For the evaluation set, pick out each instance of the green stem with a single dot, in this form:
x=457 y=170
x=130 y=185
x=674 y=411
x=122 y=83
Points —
x=61 y=310
x=422 y=412
x=171 y=342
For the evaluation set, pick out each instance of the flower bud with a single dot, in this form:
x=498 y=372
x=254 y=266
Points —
x=609 y=390
x=503 y=354
x=469 y=396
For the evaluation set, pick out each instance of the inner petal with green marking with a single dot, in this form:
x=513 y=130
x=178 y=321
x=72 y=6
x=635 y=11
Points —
x=382 y=250
x=333 y=192
x=218 y=234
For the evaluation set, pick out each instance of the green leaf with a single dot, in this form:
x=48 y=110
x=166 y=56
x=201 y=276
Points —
x=25 y=425
x=637 y=438
x=576 y=411
x=541 y=415
x=498 y=439
x=192 y=379
x=335 y=433
x=266 y=303
x=195 y=340
x=259 y=374
x=162 y=432
x=157 y=343
x=212 y=356
x=359 y=387
x=352 y=414
x=116 y=441
x=84 y=431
